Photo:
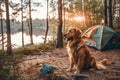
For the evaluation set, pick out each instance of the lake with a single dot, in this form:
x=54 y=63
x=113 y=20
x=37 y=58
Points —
x=16 y=39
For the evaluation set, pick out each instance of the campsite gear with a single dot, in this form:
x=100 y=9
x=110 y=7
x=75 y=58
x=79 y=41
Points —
x=102 y=38
x=47 y=69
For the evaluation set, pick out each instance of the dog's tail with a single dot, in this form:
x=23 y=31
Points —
x=101 y=64
x=104 y=61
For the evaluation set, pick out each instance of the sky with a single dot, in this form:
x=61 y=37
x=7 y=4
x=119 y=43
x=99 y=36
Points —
x=39 y=14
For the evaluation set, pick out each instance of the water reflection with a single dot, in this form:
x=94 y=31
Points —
x=16 y=39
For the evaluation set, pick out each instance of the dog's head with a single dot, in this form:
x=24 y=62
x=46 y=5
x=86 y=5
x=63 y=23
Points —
x=72 y=33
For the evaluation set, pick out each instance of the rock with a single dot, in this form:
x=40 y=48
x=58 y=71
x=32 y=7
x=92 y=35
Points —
x=117 y=73
x=117 y=67
x=51 y=77
x=48 y=53
x=80 y=77
x=98 y=72
x=113 y=63
x=61 y=78
x=113 y=78
x=47 y=69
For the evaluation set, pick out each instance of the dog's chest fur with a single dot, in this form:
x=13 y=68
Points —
x=72 y=49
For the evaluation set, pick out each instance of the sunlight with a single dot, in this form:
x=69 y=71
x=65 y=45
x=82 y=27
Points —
x=79 y=18
x=75 y=17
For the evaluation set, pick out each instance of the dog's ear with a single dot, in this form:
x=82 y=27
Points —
x=78 y=33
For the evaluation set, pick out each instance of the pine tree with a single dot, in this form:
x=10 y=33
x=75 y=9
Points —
x=9 y=48
x=59 y=30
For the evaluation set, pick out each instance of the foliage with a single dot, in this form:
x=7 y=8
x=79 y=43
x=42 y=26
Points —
x=53 y=4
x=2 y=52
x=31 y=49
x=9 y=64
x=9 y=68
x=116 y=24
x=92 y=9
x=4 y=71
x=52 y=26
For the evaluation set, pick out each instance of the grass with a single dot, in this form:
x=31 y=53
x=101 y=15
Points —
x=8 y=63
x=31 y=49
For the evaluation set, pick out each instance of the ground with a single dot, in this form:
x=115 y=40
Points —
x=30 y=67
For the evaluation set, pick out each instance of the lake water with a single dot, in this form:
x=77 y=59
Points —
x=16 y=39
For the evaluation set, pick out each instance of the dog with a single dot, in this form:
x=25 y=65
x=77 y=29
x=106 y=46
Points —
x=79 y=53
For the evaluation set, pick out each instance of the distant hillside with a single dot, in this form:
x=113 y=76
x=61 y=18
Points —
x=39 y=26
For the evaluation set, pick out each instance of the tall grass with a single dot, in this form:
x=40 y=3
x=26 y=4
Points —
x=31 y=49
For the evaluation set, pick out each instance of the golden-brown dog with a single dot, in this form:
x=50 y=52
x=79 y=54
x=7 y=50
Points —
x=78 y=53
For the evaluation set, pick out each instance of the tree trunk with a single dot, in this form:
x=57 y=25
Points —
x=119 y=12
x=28 y=22
x=59 y=31
x=31 y=30
x=22 y=22
x=64 y=17
x=9 y=48
x=110 y=14
x=46 y=24
x=2 y=28
x=105 y=13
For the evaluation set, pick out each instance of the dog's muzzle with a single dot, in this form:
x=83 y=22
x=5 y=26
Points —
x=68 y=39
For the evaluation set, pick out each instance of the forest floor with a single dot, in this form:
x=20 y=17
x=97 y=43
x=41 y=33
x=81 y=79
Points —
x=30 y=67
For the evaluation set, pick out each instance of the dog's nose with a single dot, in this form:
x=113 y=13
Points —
x=64 y=35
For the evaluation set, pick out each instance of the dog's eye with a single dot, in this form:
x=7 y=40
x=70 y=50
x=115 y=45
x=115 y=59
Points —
x=70 y=31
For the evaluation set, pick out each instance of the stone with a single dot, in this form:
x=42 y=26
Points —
x=113 y=78
x=80 y=77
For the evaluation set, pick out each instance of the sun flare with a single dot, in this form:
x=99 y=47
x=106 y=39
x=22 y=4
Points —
x=76 y=18
x=79 y=18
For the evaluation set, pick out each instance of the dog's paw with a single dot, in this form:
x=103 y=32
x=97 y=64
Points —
x=101 y=66
x=92 y=69
x=69 y=69
x=77 y=72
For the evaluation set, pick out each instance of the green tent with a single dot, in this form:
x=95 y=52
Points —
x=102 y=38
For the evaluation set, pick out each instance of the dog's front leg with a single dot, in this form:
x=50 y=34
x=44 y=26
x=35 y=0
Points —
x=93 y=63
x=80 y=65
x=71 y=64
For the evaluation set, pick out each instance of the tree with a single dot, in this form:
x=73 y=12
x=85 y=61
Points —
x=30 y=22
x=110 y=14
x=59 y=30
x=2 y=26
x=9 y=48
x=116 y=14
x=22 y=22
x=92 y=10
x=105 y=13
x=46 y=24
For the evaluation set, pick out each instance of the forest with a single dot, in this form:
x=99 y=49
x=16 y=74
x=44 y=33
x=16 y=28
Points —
x=32 y=35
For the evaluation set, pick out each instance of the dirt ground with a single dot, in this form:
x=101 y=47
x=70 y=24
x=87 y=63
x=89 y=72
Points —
x=30 y=67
